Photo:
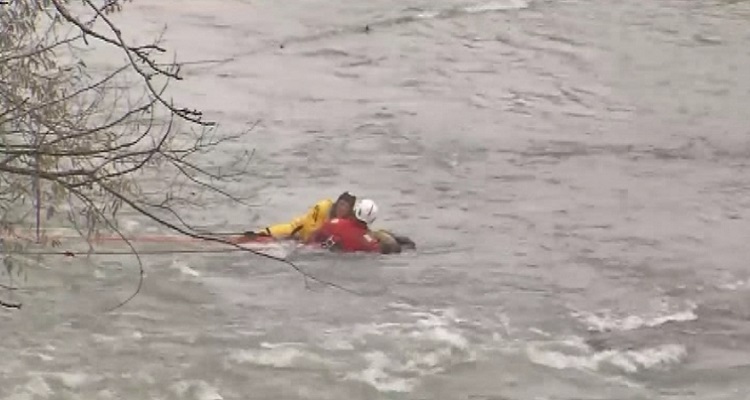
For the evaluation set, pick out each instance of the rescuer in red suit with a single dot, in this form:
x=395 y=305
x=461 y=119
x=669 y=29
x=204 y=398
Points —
x=350 y=234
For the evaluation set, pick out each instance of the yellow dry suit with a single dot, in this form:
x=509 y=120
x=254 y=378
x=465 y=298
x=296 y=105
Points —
x=302 y=227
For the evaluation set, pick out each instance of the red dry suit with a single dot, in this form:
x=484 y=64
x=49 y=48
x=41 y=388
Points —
x=346 y=235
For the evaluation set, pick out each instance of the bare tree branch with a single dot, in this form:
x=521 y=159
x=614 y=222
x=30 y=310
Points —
x=79 y=144
x=130 y=51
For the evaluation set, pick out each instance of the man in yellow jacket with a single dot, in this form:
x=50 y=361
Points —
x=302 y=227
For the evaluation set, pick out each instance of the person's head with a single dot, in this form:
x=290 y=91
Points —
x=366 y=211
x=344 y=205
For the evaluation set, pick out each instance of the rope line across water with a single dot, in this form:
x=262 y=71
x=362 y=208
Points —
x=149 y=252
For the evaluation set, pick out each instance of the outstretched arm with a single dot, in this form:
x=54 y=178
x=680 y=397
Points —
x=403 y=241
x=288 y=229
x=386 y=241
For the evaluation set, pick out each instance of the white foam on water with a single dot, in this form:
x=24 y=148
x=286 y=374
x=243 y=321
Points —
x=45 y=357
x=498 y=6
x=505 y=321
x=99 y=274
x=207 y=392
x=735 y=285
x=607 y=321
x=278 y=356
x=440 y=334
x=333 y=342
x=390 y=356
x=267 y=345
x=657 y=356
x=397 y=354
x=184 y=268
x=129 y=225
x=377 y=374
x=575 y=342
x=38 y=387
x=539 y=332
x=196 y=389
x=72 y=380
x=428 y=14
x=99 y=338
x=400 y=306
x=580 y=358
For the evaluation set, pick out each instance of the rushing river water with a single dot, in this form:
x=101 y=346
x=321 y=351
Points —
x=575 y=175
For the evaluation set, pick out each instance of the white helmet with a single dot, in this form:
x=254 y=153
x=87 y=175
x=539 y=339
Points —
x=365 y=210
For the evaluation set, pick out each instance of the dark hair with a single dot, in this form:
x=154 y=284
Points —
x=348 y=197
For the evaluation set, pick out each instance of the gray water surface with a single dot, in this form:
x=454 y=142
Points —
x=575 y=174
